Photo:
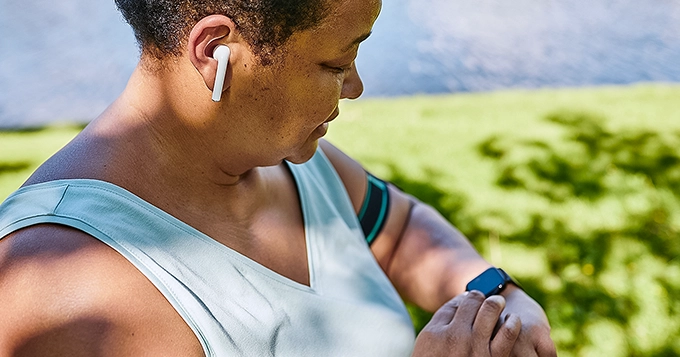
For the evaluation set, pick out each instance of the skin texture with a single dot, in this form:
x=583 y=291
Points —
x=218 y=167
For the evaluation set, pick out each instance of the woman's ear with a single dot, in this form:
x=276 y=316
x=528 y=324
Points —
x=205 y=36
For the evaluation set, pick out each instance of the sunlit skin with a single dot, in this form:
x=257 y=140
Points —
x=218 y=167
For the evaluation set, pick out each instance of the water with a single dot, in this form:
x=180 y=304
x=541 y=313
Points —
x=61 y=60
x=433 y=46
x=67 y=60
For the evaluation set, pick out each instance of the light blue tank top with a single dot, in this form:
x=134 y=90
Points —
x=235 y=306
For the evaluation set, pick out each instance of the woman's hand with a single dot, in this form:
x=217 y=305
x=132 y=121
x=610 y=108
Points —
x=464 y=327
x=534 y=339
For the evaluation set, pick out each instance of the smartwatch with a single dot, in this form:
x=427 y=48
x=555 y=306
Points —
x=491 y=282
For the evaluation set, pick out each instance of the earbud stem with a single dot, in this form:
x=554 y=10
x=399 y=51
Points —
x=221 y=54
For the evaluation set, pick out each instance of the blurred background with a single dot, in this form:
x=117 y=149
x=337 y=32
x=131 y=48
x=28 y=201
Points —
x=66 y=60
x=547 y=131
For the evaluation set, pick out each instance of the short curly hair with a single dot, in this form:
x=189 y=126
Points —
x=162 y=26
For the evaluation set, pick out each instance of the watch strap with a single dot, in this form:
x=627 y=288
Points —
x=508 y=279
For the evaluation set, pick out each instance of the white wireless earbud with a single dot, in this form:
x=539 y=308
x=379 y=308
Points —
x=221 y=54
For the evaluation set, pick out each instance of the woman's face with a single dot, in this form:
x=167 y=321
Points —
x=292 y=100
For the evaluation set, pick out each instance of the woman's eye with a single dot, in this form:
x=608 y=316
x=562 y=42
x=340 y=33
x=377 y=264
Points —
x=339 y=70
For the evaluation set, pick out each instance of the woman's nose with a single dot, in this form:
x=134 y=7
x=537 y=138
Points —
x=352 y=87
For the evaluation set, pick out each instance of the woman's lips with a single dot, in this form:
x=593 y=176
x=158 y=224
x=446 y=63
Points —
x=322 y=129
x=335 y=114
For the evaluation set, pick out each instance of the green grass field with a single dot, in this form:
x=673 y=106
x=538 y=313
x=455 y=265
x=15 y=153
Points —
x=573 y=191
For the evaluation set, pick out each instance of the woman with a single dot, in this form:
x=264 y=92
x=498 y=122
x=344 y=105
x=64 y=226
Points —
x=176 y=225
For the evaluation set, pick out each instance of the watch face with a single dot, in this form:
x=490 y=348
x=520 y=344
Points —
x=490 y=282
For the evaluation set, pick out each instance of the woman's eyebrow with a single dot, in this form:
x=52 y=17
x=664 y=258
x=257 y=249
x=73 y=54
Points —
x=357 y=41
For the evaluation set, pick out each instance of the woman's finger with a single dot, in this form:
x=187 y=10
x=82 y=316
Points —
x=485 y=322
x=502 y=344
x=467 y=311
x=445 y=314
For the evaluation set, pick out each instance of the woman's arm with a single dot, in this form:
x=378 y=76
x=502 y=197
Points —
x=429 y=261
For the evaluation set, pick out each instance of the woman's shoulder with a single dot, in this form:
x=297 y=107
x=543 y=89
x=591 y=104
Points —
x=63 y=289
x=350 y=171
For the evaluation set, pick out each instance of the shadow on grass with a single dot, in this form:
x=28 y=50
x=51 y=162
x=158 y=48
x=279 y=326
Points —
x=39 y=129
x=11 y=167
x=580 y=165
x=593 y=163
x=23 y=130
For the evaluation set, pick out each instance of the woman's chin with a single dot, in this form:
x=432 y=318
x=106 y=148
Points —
x=305 y=153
